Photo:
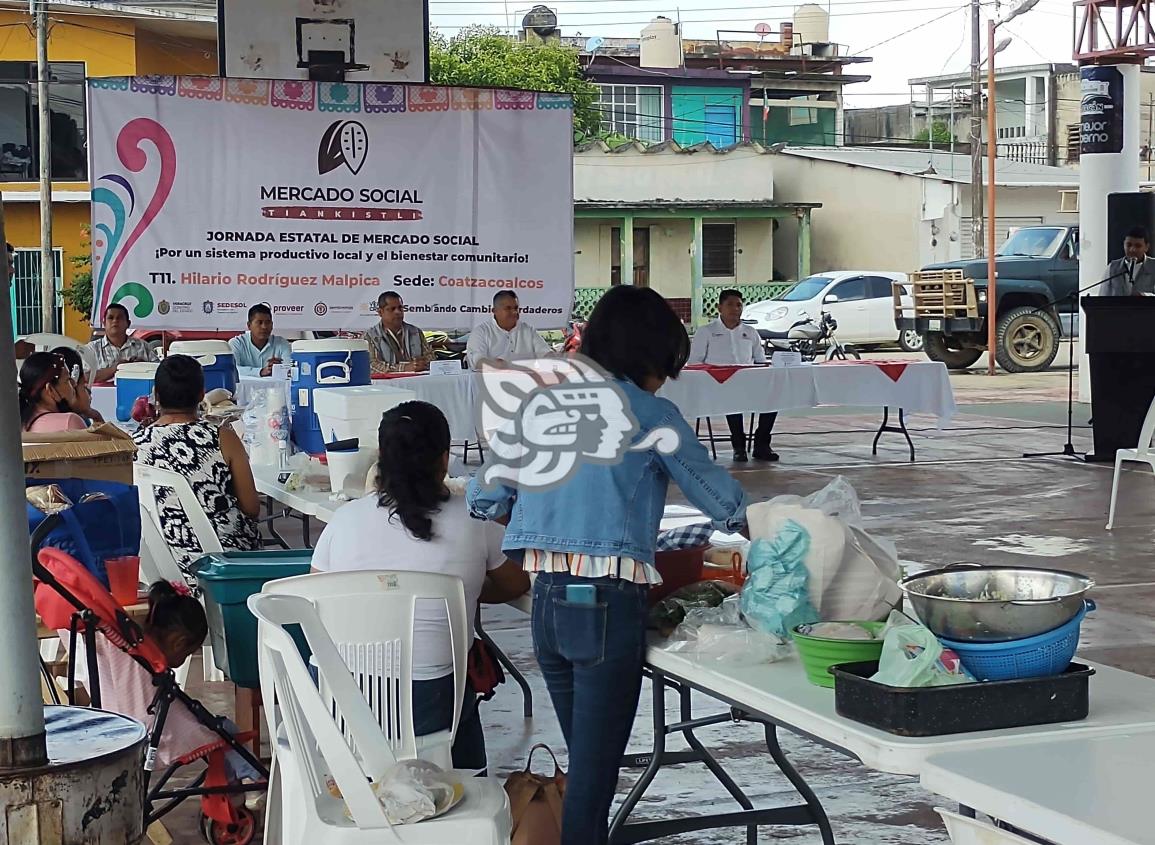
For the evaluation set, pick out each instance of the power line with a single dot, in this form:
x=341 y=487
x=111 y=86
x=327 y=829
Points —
x=905 y=32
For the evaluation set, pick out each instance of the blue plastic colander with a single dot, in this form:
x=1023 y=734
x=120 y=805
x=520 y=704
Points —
x=1033 y=657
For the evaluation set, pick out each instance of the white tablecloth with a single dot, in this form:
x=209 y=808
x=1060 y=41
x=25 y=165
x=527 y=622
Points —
x=455 y=395
x=697 y=393
x=914 y=386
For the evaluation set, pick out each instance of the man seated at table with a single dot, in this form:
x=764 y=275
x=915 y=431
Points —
x=729 y=341
x=116 y=347
x=394 y=345
x=505 y=337
x=257 y=350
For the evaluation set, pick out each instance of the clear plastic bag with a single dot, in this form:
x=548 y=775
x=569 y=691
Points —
x=411 y=791
x=719 y=634
x=852 y=575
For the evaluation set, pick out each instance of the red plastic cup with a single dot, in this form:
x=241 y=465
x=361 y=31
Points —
x=124 y=578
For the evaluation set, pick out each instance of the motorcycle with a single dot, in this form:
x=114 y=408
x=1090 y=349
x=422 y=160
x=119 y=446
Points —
x=810 y=338
x=445 y=348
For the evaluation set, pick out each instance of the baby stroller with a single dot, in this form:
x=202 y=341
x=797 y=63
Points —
x=68 y=597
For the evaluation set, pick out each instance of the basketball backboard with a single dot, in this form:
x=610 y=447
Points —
x=369 y=40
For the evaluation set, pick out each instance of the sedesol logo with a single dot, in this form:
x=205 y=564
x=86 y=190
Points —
x=344 y=142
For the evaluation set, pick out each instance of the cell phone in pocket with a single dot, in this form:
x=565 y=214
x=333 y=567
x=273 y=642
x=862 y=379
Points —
x=581 y=594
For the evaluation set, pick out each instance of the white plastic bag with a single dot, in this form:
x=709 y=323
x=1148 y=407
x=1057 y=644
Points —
x=853 y=576
x=411 y=791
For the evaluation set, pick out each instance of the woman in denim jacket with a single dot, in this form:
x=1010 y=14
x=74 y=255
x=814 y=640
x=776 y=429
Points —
x=597 y=530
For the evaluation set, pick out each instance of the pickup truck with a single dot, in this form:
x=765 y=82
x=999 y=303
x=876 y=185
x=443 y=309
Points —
x=1038 y=275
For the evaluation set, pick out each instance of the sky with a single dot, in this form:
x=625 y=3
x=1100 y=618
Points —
x=903 y=36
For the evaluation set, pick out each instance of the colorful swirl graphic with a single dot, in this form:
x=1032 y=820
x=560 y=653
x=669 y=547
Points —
x=134 y=158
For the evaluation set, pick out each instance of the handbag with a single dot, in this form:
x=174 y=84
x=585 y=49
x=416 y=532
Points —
x=535 y=803
x=484 y=672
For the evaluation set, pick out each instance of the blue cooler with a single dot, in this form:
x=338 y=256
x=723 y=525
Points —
x=216 y=359
x=317 y=364
x=132 y=382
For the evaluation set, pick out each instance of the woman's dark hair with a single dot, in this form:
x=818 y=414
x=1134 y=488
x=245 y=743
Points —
x=180 y=383
x=39 y=370
x=635 y=334
x=175 y=613
x=413 y=439
x=72 y=359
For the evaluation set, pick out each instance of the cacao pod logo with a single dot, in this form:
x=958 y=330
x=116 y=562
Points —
x=344 y=142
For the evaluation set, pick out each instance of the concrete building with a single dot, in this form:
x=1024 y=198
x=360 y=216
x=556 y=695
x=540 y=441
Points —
x=921 y=210
x=779 y=85
x=694 y=220
x=84 y=41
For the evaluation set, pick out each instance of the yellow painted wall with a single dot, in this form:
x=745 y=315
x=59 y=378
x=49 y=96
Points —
x=109 y=47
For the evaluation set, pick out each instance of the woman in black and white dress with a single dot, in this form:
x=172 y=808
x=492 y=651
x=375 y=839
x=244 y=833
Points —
x=211 y=457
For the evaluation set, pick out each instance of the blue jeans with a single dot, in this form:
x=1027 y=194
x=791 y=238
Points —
x=433 y=711
x=591 y=658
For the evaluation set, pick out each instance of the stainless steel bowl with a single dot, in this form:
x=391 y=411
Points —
x=991 y=604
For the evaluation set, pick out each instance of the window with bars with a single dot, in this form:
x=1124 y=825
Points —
x=718 y=249
x=19 y=122
x=632 y=110
x=26 y=291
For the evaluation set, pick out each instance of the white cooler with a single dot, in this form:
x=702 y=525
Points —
x=345 y=412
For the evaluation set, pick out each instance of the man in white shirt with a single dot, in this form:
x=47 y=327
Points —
x=505 y=337
x=729 y=341
x=116 y=347
x=1134 y=273
x=257 y=350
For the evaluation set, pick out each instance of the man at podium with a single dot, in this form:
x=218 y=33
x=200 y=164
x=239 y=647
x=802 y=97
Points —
x=1134 y=273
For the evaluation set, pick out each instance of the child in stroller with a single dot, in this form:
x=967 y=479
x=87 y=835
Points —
x=136 y=663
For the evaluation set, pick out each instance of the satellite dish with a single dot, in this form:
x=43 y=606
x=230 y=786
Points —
x=763 y=29
x=594 y=44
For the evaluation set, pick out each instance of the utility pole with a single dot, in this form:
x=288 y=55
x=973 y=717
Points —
x=39 y=12
x=976 y=130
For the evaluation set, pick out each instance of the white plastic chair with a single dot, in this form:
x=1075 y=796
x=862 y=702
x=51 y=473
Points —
x=369 y=616
x=312 y=748
x=147 y=480
x=1141 y=454
x=47 y=341
x=968 y=831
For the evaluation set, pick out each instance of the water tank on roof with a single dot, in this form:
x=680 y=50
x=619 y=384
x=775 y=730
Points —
x=661 y=44
x=811 y=25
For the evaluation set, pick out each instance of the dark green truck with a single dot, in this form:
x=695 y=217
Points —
x=1038 y=275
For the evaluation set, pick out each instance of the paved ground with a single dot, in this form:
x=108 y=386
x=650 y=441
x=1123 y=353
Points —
x=969 y=497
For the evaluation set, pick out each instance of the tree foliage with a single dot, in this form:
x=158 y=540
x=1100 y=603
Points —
x=78 y=294
x=481 y=56
x=939 y=133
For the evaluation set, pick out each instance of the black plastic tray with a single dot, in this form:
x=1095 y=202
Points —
x=985 y=706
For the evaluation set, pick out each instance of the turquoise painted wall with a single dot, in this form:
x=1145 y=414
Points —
x=701 y=114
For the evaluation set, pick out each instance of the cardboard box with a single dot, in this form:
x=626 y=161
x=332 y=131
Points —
x=101 y=453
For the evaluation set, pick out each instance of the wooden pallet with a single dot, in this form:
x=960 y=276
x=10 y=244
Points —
x=943 y=294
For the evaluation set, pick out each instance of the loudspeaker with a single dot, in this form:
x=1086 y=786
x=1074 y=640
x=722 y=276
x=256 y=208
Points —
x=1124 y=212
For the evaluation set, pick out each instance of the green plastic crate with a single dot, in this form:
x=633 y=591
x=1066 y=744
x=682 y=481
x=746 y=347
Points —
x=228 y=579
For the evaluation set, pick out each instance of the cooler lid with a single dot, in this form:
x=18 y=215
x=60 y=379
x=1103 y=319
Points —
x=140 y=370
x=360 y=401
x=332 y=344
x=200 y=348
x=228 y=566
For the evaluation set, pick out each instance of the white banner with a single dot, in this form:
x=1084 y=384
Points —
x=210 y=195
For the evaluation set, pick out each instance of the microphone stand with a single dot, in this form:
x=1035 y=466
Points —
x=1068 y=450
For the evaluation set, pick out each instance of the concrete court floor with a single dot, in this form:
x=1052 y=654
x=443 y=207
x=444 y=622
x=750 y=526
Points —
x=969 y=497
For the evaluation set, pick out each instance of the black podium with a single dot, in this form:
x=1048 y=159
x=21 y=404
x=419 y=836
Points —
x=1121 y=345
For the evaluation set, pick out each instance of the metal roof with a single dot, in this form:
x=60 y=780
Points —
x=938 y=164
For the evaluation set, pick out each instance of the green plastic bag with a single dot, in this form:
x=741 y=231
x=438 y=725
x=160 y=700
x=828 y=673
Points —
x=911 y=657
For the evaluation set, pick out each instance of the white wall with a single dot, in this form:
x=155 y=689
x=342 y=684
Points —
x=739 y=175
x=869 y=219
